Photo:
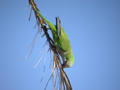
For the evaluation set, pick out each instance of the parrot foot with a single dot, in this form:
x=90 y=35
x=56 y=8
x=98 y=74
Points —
x=64 y=64
x=47 y=28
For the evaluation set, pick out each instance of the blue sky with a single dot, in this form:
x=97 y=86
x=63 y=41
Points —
x=93 y=27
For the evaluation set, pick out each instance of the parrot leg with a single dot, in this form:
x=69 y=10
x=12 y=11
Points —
x=64 y=64
x=58 y=26
x=47 y=28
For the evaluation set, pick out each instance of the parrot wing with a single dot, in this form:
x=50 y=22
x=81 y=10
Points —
x=58 y=26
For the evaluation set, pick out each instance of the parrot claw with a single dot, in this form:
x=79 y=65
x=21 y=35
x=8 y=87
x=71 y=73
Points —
x=64 y=64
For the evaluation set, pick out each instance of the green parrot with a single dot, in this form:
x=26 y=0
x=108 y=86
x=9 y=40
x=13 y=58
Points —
x=61 y=41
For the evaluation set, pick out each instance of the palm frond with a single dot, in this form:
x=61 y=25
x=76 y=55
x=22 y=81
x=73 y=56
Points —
x=60 y=78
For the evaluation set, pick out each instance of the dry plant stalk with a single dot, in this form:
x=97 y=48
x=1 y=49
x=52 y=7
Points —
x=57 y=67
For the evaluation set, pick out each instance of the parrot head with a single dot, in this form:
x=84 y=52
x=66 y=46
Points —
x=69 y=60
